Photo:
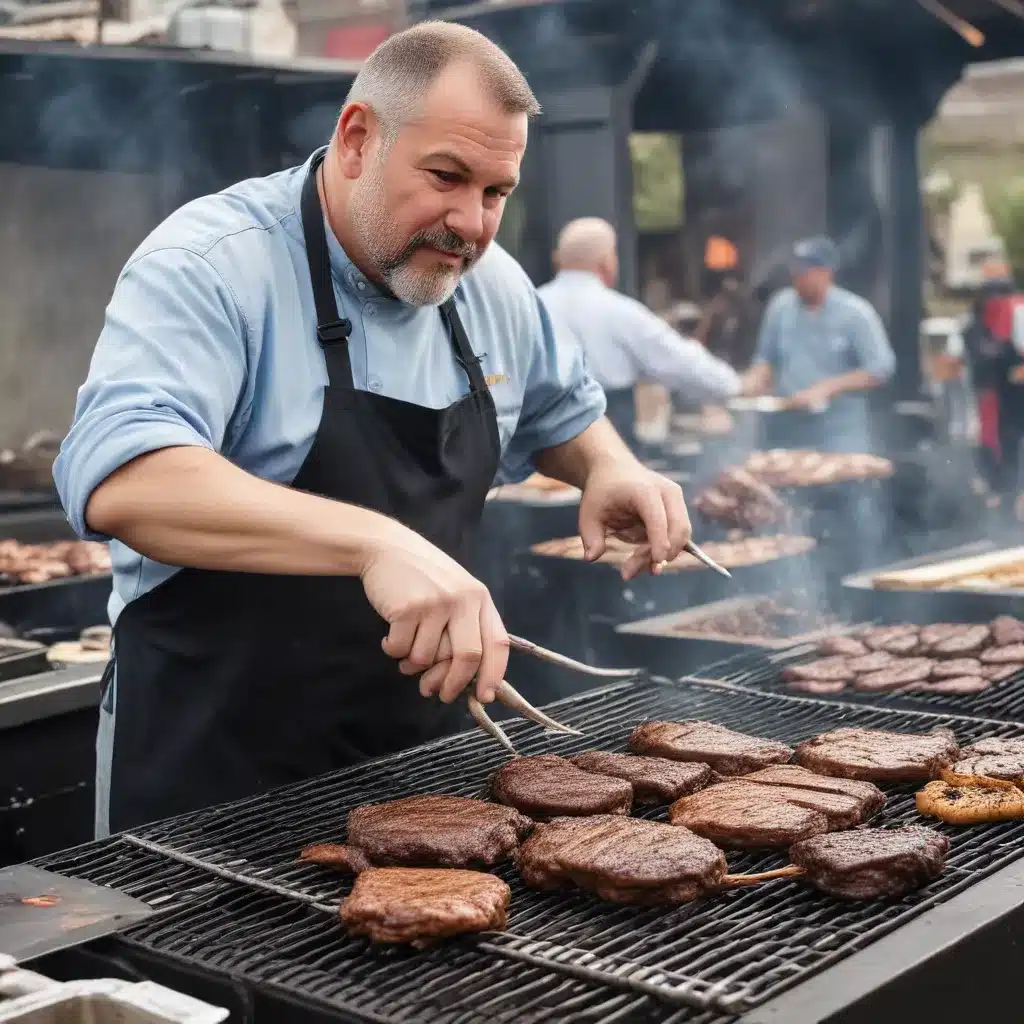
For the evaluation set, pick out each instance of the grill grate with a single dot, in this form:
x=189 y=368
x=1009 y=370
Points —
x=268 y=919
x=761 y=670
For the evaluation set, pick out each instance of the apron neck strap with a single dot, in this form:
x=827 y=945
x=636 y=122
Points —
x=332 y=329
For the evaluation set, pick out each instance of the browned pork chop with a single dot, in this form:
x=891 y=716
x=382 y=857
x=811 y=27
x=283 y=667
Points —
x=655 y=780
x=548 y=786
x=727 y=752
x=878 y=756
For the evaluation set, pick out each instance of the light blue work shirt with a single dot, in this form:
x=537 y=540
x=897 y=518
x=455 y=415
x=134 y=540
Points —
x=806 y=346
x=210 y=339
x=625 y=342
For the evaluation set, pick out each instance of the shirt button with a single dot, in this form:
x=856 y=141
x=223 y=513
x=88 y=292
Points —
x=371 y=311
x=375 y=384
x=361 y=285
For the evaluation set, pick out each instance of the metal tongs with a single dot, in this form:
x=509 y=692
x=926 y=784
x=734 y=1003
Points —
x=512 y=698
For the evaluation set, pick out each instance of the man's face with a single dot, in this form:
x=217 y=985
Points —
x=426 y=207
x=812 y=284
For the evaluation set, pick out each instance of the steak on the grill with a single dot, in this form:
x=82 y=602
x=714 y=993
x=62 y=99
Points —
x=958 y=685
x=935 y=632
x=624 y=860
x=872 y=662
x=997 y=673
x=872 y=863
x=969 y=640
x=995 y=745
x=735 y=813
x=1007 y=630
x=878 y=756
x=655 y=780
x=816 y=686
x=727 y=752
x=417 y=904
x=1003 y=655
x=994 y=757
x=869 y=796
x=892 y=677
x=956 y=667
x=548 y=786
x=845 y=645
x=425 y=831
x=835 y=669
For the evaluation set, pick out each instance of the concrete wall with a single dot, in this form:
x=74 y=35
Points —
x=64 y=236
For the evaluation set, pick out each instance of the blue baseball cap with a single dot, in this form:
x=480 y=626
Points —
x=814 y=252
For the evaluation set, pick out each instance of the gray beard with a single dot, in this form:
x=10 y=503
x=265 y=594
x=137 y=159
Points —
x=390 y=256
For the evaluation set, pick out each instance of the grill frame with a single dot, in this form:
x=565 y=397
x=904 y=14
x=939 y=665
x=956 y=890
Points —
x=779 y=716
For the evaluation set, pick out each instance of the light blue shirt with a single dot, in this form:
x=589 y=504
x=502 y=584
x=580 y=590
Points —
x=625 y=342
x=804 y=347
x=210 y=339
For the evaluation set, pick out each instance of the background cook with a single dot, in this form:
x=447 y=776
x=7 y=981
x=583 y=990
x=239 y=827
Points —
x=277 y=404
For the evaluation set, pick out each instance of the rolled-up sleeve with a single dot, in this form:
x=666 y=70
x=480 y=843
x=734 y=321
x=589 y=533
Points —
x=874 y=353
x=560 y=399
x=680 y=364
x=167 y=371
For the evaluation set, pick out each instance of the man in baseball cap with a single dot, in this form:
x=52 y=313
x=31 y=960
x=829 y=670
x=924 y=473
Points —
x=823 y=348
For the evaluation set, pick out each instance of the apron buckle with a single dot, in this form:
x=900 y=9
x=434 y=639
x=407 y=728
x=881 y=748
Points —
x=334 y=331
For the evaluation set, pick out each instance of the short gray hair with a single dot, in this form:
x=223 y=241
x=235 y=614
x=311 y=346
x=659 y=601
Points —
x=395 y=78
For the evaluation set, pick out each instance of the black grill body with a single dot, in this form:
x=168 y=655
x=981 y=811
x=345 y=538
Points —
x=238 y=911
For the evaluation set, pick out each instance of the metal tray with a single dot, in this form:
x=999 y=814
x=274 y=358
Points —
x=21 y=658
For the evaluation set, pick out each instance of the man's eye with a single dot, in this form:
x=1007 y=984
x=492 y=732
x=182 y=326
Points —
x=448 y=177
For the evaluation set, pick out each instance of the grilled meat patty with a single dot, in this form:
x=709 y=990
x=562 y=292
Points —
x=425 y=831
x=872 y=662
x=956 y=685
x=835 y=669
x=995 y=758
x=872 y=863
x=878 y=756
x=869 y=796
x=416 y=904
x=845 y=645
x=1007 y=630
x=956 y=667
x=997 y=673
x=548 y=787
x=655 y=780
x=816 y=686
x=727 y=752
x=1005 y=655
x=968 y=640
x=901 y=672
x=736 y=813
x=624 y=860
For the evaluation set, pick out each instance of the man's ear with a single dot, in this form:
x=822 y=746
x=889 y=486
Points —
x=356 y=128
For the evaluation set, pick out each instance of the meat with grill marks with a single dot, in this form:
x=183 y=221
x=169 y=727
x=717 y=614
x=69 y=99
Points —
x=655 y=780
x=775 y=807
x=872 y=863
x=418 y=905
x=726 y=751
x=623 y=860
x=878 y=756
x=425 y=831
x=547 y=786
x=994 y=758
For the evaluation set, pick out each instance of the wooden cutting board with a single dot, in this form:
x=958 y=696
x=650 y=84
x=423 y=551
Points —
x=930 y=577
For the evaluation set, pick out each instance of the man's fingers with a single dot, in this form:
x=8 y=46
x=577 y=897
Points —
x=678 y=519
x=467 y=648
x=651 y=509
x=398 y=643
x=592 y=531
x=495 y=653
x=431 y=680
x=639 y=561
x=423 y=653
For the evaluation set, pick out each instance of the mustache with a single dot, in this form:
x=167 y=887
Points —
x=442 y=239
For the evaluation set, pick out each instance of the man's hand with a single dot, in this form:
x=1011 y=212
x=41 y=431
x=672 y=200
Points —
x=625 y=500
x=812 y=399
x=426 y=596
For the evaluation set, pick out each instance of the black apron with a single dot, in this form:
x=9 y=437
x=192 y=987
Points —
x=229 y=684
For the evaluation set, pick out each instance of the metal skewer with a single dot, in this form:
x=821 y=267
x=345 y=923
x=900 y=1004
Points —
x=520 y=644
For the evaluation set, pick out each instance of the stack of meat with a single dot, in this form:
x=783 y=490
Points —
x=731 y=554
x=423 y=861
x=943 y=657
x=738 y=498
x=784 y=467
x=40 y=563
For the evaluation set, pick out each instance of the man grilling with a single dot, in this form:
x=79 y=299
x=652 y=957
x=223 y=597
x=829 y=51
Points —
x=824 y=348
x=297 y=404
x=622 y=339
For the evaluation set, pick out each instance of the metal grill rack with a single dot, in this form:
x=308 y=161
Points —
x=235 y=899
x=761 y=670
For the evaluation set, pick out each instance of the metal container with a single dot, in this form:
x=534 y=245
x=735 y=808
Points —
x=30 y=998
x=21 y=658
x=74 y=603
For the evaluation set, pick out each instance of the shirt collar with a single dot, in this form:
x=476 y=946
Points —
x=579 y=277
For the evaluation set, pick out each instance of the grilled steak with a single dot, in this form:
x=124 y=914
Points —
x=969 y=640
x=872 y=662
x=624 y=860
x=1003 y=655
x=816 y=686
x=959 y=685
x=655 y=780
x=936 y=632
x=737 y=813
x=892 y=639
x=425 y=831
x=878 y=756
x=956 y=667
x=828 y=670
x=1009 y=767
x=872 y=863
x=868 y=795
x=548 y=787
x=845 y=645
x=904 y=645
x=727 y=752
x=410 y=904
x=997 y=673
x=995 y=745
x=1007 y=630
x=895 y=676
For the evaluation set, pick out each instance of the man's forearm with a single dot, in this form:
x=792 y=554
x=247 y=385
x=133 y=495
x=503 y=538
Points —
x=758 y=380
x=573 y=461
x=191 y=507
x=855 y=380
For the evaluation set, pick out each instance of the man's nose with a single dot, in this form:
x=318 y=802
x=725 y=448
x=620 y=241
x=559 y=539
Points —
x=466 y=218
